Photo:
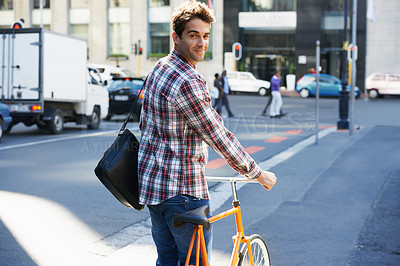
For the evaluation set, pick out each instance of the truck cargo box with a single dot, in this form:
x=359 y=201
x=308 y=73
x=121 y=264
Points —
x=42 y=65
x=64 y=68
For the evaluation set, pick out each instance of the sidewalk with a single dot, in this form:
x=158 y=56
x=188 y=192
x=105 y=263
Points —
x=335 y=203
x=350 y=213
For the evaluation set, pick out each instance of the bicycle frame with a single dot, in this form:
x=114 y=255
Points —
x=238 y=239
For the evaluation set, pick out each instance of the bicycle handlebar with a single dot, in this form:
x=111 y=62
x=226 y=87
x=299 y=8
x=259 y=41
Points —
x=230 y=179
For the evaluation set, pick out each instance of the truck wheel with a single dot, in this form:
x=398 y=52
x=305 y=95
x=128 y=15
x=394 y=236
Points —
x=56 y=124
x=94 y=120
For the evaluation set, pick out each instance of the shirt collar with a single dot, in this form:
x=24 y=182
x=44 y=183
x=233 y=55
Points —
x=177 y=54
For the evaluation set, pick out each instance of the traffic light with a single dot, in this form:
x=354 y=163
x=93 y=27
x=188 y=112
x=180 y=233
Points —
x=140 y=50
x=237 y=51
x=352 y=52
x=19 y=24
x=135 y=49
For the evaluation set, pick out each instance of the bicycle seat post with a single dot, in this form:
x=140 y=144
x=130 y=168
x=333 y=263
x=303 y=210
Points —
x=235 y=201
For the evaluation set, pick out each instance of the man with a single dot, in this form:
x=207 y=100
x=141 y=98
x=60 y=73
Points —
x=218 y=85
x=177 y=123
x=226 y=89
x=276 y=104
x=263 y=113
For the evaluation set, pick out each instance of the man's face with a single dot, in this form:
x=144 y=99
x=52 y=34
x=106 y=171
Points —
x=194 y=41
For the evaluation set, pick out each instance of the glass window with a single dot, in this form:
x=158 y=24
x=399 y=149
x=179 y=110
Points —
x=269 y=5
x=6 y=4
x=394 y=77
x=157 y=3
x=45 y=26
x=118 y=3
x=159 y=39
x=79 y=3
x=310 y=78
x=379 y=77
x=335 y=5
x=134 y=84
x=80 y=31
x=119 y=39
x=36 y=3
x=245 y=77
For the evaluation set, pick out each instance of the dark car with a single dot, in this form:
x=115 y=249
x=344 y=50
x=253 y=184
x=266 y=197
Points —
x=328 y=86
x=122 y=95
x=5 y=119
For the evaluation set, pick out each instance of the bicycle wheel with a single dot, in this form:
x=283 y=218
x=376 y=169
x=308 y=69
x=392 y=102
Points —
x=259 y=250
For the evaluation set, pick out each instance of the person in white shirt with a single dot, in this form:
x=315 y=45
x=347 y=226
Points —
x=225 y=101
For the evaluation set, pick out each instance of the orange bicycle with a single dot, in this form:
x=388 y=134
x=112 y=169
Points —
x=253 y=249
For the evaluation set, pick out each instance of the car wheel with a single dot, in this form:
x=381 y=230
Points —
x=304 y=93
x=1 y=128
x=262 y=91
x=373 y=94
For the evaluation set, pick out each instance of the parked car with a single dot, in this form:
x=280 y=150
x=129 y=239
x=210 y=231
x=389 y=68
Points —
x=122 y=95
x=5 y=119
x=246 y=82
x=379 y=84
x=108 y=72
x=328 y=86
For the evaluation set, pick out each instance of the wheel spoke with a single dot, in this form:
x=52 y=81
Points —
x=259 y=251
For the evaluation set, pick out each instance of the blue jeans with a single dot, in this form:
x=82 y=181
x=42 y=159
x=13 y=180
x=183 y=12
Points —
x=173 y=243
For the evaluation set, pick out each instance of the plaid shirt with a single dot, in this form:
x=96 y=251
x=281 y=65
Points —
x=177 y=124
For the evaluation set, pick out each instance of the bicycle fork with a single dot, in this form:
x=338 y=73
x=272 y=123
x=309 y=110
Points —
x=238 y=239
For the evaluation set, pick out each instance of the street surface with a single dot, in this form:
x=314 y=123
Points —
x=335 y=203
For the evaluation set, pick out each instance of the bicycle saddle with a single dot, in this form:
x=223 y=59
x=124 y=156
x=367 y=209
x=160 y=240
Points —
x=196 y=216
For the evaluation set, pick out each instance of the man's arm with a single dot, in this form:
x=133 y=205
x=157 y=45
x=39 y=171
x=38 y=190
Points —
x=195 y=106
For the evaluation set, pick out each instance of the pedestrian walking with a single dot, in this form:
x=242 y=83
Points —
x=226 y=89
x=177 y=123
x=264 y=112
x=276 y=104
x=218 y=85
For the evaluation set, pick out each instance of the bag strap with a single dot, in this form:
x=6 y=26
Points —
x=132 y=108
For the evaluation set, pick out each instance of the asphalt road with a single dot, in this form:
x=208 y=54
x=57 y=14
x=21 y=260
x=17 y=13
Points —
x=54 y=211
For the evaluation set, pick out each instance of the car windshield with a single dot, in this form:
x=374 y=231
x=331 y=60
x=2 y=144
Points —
x=128 y=73
x=134 y=84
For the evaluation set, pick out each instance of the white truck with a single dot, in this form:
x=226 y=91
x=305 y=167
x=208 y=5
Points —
x=45 y=80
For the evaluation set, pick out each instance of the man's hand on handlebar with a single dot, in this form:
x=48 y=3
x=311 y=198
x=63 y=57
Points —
x=267 y=180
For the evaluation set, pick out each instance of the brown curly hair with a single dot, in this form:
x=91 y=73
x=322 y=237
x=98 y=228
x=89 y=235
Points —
x=188 y=10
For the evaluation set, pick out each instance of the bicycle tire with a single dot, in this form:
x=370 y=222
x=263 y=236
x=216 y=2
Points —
x=259 y=250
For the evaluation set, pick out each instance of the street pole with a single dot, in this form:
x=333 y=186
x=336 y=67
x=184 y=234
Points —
x=317 y=55
x=343 y=122
x=354 y=56
x=41 y=13
x=138 y=59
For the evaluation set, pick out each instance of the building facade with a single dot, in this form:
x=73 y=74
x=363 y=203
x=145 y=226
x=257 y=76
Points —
x=275 y=34
x=282 y=34
x=114 y=28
